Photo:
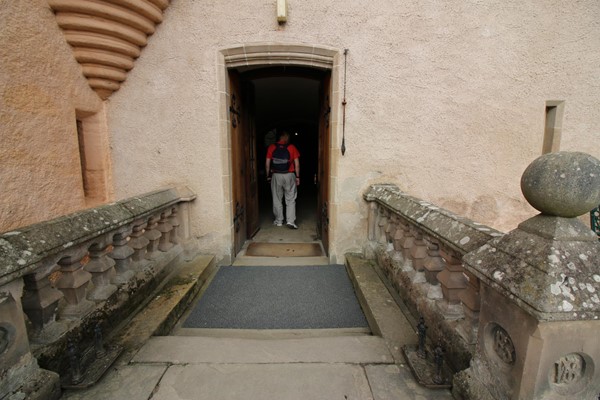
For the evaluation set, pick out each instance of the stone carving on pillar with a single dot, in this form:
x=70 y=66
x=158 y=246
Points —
x=539 y=285
x=502 y=344
x=153 y=235
x=165 y=228
x=102 y=269
x=122 y=253
x=73 y=282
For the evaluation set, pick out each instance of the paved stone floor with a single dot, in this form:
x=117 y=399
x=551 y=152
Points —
x=328 y=364
x=182 y=367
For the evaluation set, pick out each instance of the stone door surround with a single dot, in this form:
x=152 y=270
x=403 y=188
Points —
x=257 y=55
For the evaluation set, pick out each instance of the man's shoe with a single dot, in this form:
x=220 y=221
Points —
x=277 y=223
x=292 y=225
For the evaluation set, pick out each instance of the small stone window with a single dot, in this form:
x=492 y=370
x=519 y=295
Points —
x=553 y=126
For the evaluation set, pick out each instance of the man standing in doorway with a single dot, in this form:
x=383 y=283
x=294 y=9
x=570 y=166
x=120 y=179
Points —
x=283 y=170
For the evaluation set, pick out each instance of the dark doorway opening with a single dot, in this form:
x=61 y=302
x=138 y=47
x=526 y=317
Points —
x=288 y=104
x=274 y=100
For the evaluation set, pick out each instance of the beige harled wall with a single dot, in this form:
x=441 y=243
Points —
x=445 y=99
x=41 y=90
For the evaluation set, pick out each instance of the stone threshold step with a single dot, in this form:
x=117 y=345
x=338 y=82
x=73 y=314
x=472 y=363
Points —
x=267 y=334
x=383 y=313
x=168 y=303
x=210 y=350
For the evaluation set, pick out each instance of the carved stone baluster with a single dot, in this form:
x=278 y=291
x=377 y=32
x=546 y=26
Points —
x=122 y=253
x=73 y=282
x=18 y=367
x=471 y=302
x=433 y=265
x=102 y=269
x=138 y=242
x=418 y=252
x=40 y=299
x=153 y=236
x=381 y=224
x=372 y=221
x=453 y=282
x=399 y=236
x=370 y=249
x=165 y=228
x=408 y=240
x=390 y=228
x=174 y=221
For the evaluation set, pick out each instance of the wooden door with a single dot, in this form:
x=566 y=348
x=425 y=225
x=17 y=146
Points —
x=238 y=162
x=251 y=178
x=323 y=167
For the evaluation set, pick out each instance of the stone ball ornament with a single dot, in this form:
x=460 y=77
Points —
x=563 y=184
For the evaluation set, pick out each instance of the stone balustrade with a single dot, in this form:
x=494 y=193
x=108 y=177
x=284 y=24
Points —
x=420 y=248
x=60 y=278
x=518 y=313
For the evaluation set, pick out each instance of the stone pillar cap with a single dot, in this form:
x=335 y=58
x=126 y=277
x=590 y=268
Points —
x=562 y=184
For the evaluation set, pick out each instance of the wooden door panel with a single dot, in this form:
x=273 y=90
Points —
x=323 y=168
x=238 y=164
x=252 y=210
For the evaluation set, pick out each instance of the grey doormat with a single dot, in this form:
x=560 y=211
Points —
x=263 y=249
x=305 y=297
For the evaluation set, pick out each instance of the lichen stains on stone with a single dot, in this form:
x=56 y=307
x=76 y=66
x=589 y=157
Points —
x=596 y=277
x=465 y=240
x=566 y=306
x=590 y=288
x=12 y=233
x=498 y=275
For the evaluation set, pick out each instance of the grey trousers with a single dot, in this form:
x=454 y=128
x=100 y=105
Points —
x=284 y=185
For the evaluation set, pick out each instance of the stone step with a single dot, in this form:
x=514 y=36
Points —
x=211 y=350
x=167 y=305
x=264 y=382
x=383 y=312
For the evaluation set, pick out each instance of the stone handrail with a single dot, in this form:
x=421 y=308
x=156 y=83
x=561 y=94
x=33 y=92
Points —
x=60 y=277
x=528 y=299
x=420 y=247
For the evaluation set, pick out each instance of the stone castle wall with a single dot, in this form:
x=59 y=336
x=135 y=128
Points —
x=447 y=100
x=42 y=92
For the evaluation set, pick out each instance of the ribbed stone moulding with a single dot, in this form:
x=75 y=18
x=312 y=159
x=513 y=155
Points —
x=107 y=36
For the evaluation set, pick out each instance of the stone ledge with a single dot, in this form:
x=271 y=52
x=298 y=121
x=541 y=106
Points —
x=51 y=351
x=414 y=297
x=384 y=315
x=24 y=250
x=166 y=305
x=459 y=233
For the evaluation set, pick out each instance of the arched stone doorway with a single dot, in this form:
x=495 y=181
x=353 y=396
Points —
x=241 y=168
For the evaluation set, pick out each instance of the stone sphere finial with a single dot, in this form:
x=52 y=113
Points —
x=563 y=184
